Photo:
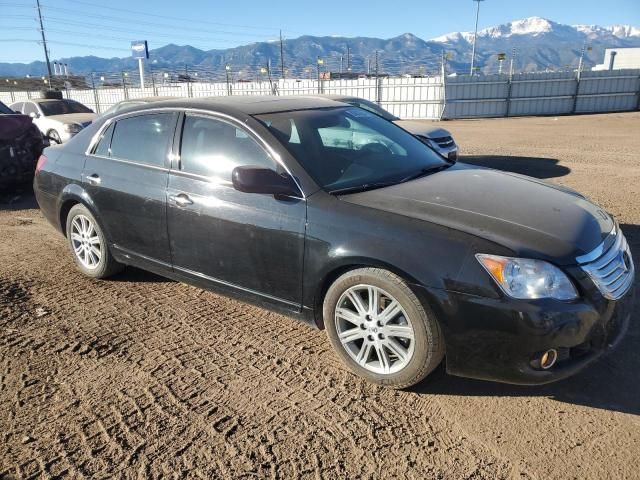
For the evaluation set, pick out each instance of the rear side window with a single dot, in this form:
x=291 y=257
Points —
x=29 y=108
x=104 y=144
x=143 y=138
x=213 y=148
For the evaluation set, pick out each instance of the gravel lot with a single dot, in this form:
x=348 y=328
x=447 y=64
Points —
x=141 y=376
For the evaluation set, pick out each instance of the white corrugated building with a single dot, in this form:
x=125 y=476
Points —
x=619 y=58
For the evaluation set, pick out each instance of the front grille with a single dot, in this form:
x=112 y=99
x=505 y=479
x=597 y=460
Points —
x=613 y=271
x=444 y=142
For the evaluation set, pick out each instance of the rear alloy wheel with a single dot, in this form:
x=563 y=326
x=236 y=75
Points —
x=380 y=328
x=88 y=245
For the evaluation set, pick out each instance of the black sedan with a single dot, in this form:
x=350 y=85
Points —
x=327 y=212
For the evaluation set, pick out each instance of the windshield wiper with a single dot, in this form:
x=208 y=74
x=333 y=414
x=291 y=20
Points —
x=372 y=186
x=424 y=171
x=361 y=188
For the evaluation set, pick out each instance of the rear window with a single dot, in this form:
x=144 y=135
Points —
x=143 y=138
x=62 y=107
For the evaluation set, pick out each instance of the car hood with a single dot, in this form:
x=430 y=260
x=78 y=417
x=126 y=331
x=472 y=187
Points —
x=83 y=119
x=423 y=129
x=530 y=217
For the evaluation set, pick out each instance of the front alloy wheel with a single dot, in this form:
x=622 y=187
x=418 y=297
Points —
x=380 y=329
x=374 y=329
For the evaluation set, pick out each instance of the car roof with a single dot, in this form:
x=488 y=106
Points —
x=45 y=100
x=148 y=99
x=340 y=98
x=249 y=104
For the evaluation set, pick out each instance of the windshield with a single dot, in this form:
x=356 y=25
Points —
x=62 y=107
x=5 y=109
x=346 y=147
x=373 y=107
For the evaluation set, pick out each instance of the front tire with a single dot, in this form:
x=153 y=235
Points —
x=55 y=136
x=88 y=244
x=380 y=329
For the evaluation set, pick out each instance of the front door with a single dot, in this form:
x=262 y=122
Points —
x=249 y=241
x=126 y=178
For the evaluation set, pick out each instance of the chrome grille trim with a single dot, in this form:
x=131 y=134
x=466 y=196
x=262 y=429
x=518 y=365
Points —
x=443 y=142
x=607 y=270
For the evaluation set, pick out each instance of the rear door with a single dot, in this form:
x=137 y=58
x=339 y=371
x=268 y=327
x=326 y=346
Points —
x=126 y=177
x=249 y=241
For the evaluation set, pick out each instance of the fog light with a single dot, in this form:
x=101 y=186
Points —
x=548 y=359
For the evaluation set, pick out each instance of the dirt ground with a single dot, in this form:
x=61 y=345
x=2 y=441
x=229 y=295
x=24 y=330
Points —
x=143 y=377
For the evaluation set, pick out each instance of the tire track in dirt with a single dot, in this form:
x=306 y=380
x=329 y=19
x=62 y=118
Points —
x=223 y=395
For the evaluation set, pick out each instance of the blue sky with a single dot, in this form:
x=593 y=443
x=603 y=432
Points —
x=94 y=27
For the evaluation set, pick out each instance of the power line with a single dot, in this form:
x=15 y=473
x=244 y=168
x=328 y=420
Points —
x=172 y=18
x=172 y=25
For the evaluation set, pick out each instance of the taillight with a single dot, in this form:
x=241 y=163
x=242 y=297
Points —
x=41 y=161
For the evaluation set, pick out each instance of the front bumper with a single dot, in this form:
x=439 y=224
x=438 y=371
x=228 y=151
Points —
x=501 y=339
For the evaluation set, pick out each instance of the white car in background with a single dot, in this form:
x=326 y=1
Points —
x=438 y=139
x=57 y=119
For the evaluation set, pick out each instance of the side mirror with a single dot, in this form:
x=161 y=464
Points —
x=34 y=115
x=263 y=180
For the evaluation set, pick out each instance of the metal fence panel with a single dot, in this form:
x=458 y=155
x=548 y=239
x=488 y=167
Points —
x=542 y=93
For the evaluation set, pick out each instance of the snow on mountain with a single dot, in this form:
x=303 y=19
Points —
x=624 y=31
x=535 y=26
x=539 y=44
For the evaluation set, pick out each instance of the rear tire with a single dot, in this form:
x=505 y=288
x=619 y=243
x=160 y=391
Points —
x=393 y=340
x=88 y=244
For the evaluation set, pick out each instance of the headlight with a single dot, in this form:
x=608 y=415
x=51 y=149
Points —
x=526 y=278
x=72 y=127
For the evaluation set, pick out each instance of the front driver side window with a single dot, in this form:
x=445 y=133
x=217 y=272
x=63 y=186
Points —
x=213 y=148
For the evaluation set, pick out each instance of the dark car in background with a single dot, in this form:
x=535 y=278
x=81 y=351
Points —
x=133 y=102
x=21 y=144
x=438 y=139
x=403 y=257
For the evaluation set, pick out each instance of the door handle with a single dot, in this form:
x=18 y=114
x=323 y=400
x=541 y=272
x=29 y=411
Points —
x=182 y=199
x=94 y=179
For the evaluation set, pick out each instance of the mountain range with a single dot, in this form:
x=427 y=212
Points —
x=538 y=44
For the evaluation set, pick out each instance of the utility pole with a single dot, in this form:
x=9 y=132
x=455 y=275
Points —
x=44 y=41
x=269 y=76
x=281 y=57
x=227 y=68
x=341 y=64
x=348 y=58
x=475 y=36
x=319 y=62
x=124 y=85
x=378 y=89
